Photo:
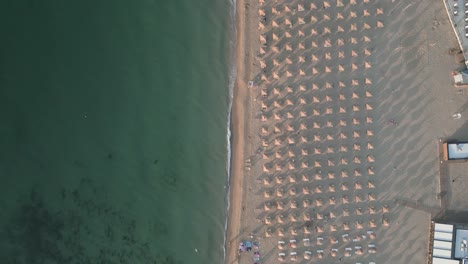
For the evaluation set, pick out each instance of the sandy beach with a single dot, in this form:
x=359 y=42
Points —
x=335 y=145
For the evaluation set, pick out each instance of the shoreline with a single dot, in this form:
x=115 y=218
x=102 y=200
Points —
x=238 y=128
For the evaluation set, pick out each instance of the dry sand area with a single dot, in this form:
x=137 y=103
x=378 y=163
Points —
x=349 y=101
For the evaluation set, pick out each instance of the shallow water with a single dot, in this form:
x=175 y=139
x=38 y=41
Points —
x=113 y=135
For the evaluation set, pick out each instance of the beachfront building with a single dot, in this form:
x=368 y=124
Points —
x=455 y=151
x=448 y=244
x=457 y=11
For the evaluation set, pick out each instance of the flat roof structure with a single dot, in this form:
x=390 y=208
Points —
x=455 y=151
x=444 y=261
x=461 y=238
x=456 y=12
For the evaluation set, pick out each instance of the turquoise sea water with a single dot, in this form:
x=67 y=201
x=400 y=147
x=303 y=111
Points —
x=113 y=131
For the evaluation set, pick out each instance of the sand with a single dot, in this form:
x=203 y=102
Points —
x=315 y=128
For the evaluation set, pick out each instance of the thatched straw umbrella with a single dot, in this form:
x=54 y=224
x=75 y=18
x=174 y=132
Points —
x=281 y=244
x=372 y=250
x=359 y=211
x=318 y=189
x=359 y=225
x=358 y=198
x=279 y=192
x=281 y=232
x=344 y=174
x=292 y=191
x=357 y=186
x=345 y=199
x=318 y=176
x=356 y=134
x=281 y=218
x=385 y=209
x=319 y=216
x=345 y=237
x=314 y=70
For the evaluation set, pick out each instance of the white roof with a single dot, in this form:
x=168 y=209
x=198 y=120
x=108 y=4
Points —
x=457 y=150
x=444 y=261
x=443 y=228
x=442 y=253
x=442 y=245
x=443 y=236
x=462 y=234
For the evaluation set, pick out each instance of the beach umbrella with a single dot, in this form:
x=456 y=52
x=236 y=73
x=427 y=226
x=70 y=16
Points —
x=281 y=244
x=267 y=194
x=294 y=231
x=302 y=101
x=327 y=43
x=332 y=201
x=292 y=191
x=261 y=26
x=302 y=88
x=287 y=35
x=359 y=225
x=267 y=181
x=279 y=192
x=318 y=176
x=312 y=6
x=370 y=185
x=329 y=137
x=314 y=70
x=370 y=158
x=275 y=62
x=326 y=30
x=277 y=141
x=358 y=198
x=372 y=223
x=368 y=107
x=315 y=125
x=264 y=118
x=293 y=256
x=300 y=7
x=319 y=202
x=305 y=178
x=280 y=205
x=345 y=199
x=291 y=166
x=319 y=229
x=262 y=51
x=331 y=175
x=359 y=211
x=320 y=255
x=303 y=139
x=344 y=187
x=344 y=161
x=357 y=160
x=330 y=150
x=274 y=10
x=301 y=72
x=354 y=67
x=278 y=155
x=300 y=33
x=267 y=206
x=357 y=172
x=265 y=169
x=276 y=104
x=290 y=129
x=307 y=255
x=342 y=110
x=369 y=133
x=371 y=197
x=319 y=240
x=305 y=203
x=281 y=232
x=274 y=24
x=344 y=174
x=281 y=218
x=291 y=178
x=268 y=232
x=275 y=76
x=357 y=146
x=346 y=212
x=281 y=257
x=262 y=39
x=357 y=186
x=343 y=136
x=289 y=115
x=306 y=216
x=341 y=68
x=318 y=189
x=326 y=17
x=304 y=165
x=317 y=164
x=346 y=226
x=329 y=111
x=307 y=230
x=287 y=60
x=370 y=146
x=330 y=163
x=275 y=49
x=293 y=217
x=274 y=36
x=380 y=24
x=302 y=126
x=331 y=188
x=369 y=120
x=286 y=9
x=268 y=220
x=366 y=39
x=371 y=235
x=379 y=11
